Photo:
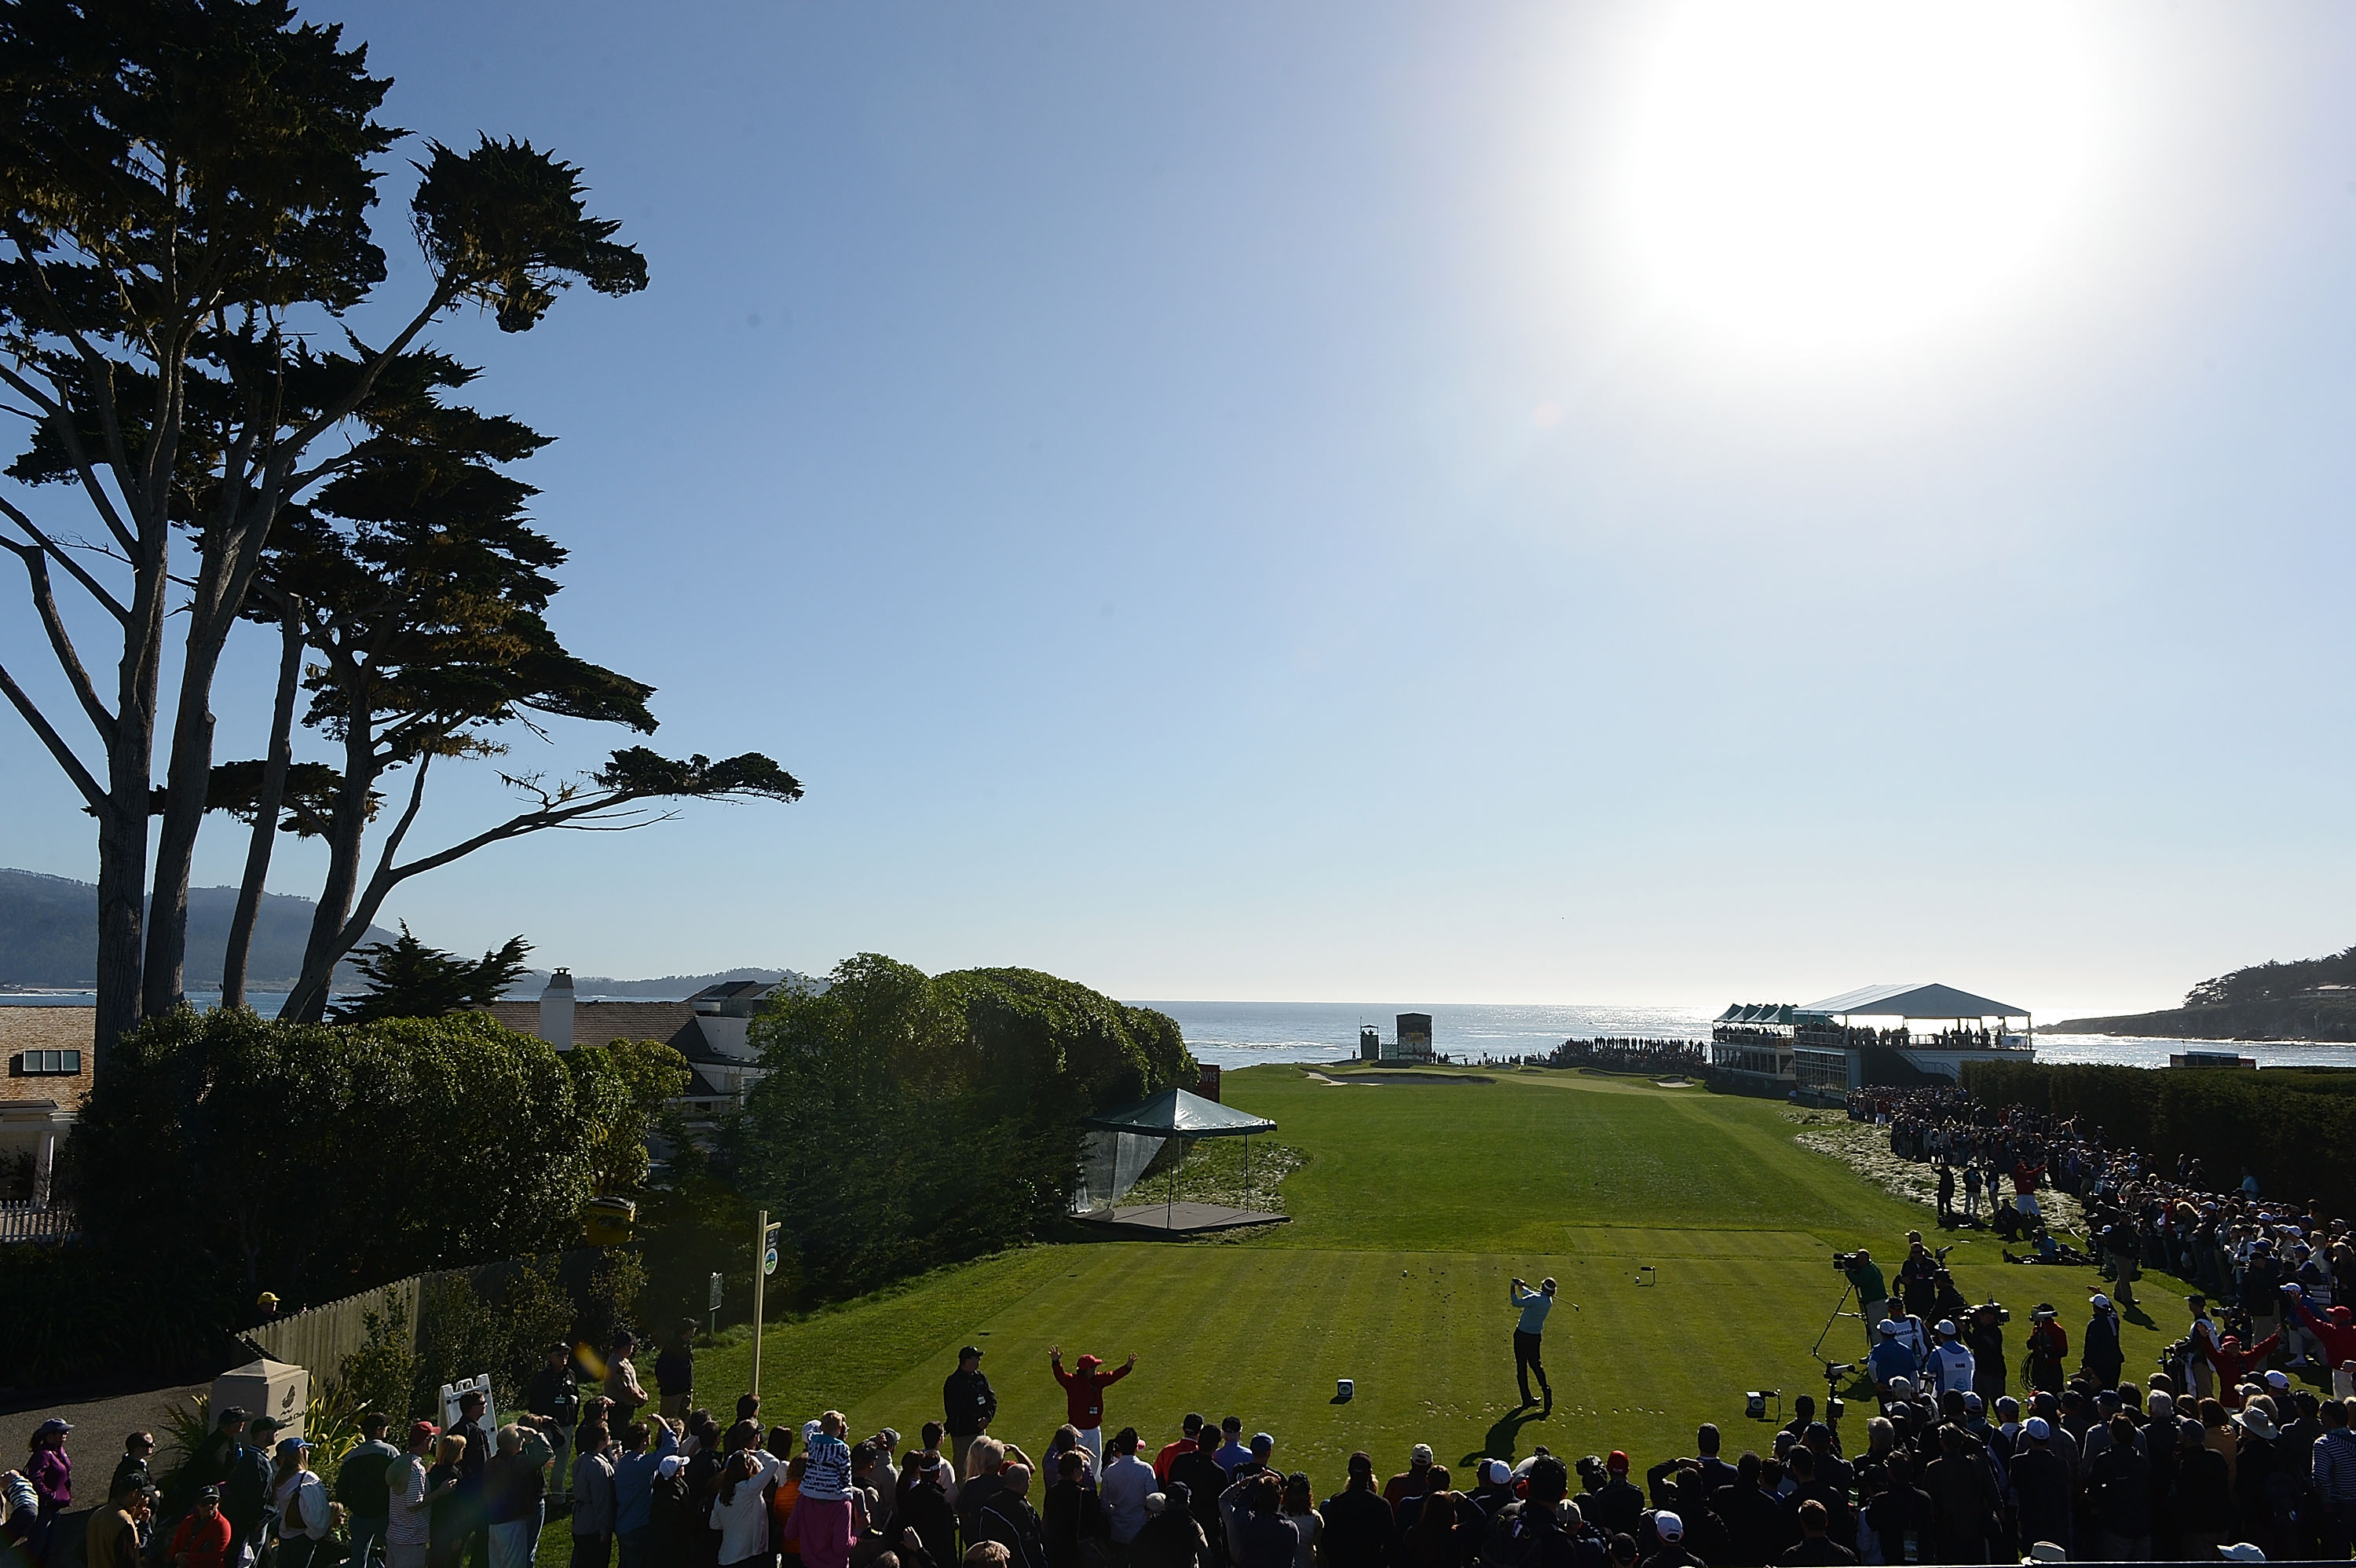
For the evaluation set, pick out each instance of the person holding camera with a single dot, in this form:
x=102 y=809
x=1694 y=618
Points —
x=1872 y=1291
x=1534 y=1306
x=1984 y=1337
x=2049 y=1344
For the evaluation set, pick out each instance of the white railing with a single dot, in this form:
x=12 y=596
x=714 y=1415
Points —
x=23 y=1220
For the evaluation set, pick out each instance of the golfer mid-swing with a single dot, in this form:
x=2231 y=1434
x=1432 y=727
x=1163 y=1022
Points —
x=1534 y=1306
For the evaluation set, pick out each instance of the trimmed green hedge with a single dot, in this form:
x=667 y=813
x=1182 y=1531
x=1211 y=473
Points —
x=2296 y=1129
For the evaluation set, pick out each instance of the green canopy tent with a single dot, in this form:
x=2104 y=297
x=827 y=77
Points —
x=1122 y=1144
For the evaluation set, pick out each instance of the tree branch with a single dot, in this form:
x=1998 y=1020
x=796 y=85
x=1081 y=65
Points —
x=55 y=410
x=91 y=793
x=45 y=599
x=91 y=584
x=341 y=410
x=117 y=455
x=401 y=828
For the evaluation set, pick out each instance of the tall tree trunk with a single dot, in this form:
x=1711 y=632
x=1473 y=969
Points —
x=122 y=824
x=265 y=813
x=307 y=1003
x=121 y=906
x=220 y=590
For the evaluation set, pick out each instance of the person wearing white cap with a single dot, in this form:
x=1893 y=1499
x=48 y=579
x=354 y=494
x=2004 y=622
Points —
x=1951 y=1364
x=302 y=1501
x=1671 y=1530
x=1493 y=1489
x=2103 y=1359
x=1893 y=1359
x=2043 y=1488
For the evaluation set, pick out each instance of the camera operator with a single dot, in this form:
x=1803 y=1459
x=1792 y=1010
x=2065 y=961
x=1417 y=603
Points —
x=2049 y=1348
x=1984 y=1335
x=1949 y=1300
x=1918 y=1278
x=1872 y=1291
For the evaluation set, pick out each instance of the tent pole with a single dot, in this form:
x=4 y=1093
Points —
x=1246 y=1173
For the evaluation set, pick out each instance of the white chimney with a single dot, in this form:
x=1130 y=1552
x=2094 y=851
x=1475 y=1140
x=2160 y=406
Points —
x=556 y=1010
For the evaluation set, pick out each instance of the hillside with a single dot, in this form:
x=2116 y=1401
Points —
x=48 y=933
x=2309 y=999
x=662 y=987
x=2326 y=1018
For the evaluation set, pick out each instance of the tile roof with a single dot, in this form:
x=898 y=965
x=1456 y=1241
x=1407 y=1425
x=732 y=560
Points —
x=596 y=1023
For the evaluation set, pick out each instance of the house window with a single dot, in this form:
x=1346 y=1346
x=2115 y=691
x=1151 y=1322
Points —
x=48 y=1064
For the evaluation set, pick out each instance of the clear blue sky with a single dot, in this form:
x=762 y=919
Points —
x=1505 y=503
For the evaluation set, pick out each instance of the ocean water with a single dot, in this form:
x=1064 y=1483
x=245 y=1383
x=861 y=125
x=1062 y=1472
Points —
x=1243 y=1034
x=1247 y=1034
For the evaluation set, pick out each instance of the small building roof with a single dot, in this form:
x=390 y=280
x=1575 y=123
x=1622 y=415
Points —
x=1916 y=1001
x=600 y=1023
x=1175 y=1112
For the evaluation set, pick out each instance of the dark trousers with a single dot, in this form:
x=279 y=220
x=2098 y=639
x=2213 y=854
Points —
x=592 y=1550
x=1525 y=1361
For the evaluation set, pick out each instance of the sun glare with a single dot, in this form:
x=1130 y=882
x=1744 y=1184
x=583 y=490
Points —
x=1815 y=185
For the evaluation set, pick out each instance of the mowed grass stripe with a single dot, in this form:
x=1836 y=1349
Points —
x=1418 y=1203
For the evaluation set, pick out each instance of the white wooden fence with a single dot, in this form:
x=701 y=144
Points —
x=23 y=1220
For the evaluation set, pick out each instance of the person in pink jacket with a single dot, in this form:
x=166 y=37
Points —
x=50 y=1469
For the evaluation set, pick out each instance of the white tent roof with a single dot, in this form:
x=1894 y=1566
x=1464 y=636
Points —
x=1915 y=1002
x=1174 y=1113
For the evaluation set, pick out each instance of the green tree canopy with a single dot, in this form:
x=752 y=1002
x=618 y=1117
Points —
x=644 y=1076
x=185 y=186
x=317 y=1160
x=407 y=979
x=2274 y=980
x=875 y=1084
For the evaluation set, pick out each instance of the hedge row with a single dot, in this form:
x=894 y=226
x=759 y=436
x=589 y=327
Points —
x=2296 y=1130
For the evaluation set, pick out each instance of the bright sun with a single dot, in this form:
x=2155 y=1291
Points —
x=1822 y=184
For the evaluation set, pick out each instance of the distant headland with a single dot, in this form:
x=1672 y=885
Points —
x=2305 y=999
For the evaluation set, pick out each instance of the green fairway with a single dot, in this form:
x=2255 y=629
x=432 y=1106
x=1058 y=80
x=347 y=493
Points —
x=1418 y=1203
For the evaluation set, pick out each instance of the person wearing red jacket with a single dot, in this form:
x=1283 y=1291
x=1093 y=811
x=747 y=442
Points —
x=2233 y=1363
x=1083 y=1389
x=2338 y=1332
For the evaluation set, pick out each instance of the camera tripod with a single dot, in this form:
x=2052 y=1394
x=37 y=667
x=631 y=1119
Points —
x=1816 y=1351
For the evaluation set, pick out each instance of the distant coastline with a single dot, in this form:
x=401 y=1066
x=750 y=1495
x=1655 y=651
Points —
x=2312 y=1019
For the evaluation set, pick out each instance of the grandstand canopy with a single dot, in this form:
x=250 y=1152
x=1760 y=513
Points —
x=1755 y=1013
x=1174 y=1113
x=1913 y=1002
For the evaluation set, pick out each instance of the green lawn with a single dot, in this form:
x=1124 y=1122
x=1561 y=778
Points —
x=1418 y=1203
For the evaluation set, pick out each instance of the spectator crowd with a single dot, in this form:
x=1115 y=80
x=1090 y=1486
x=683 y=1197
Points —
x=2241 y=1444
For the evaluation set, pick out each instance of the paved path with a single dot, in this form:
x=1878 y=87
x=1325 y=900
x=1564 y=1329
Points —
x=101 y=1425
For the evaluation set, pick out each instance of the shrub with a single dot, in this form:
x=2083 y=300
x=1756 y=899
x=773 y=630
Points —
x=873 y=1080
x=315 y=1160
x=2296 y=1130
